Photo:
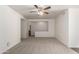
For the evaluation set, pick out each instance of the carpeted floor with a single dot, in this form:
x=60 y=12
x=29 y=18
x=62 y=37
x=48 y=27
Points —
x=40 y=46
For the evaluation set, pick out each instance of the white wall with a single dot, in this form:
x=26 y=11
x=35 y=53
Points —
x=67 y=27
x=24 y=29
x=9 y=28
x=74 y=27
x=51 y=28
x=40 y=26
x=62 y=27
x=37 y=26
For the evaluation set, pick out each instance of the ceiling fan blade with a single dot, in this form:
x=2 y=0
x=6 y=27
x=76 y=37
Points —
x=36 y=6
x=32 y=11
x=46 y=12
x=47 y=8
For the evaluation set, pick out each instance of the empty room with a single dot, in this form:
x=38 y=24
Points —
x=39 y=29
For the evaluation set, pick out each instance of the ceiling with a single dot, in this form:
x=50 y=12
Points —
x=53 y=12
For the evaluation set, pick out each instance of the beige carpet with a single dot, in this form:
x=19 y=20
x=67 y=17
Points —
x=40 y=46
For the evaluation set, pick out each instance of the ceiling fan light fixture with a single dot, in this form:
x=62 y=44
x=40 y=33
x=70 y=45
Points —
x=42 y=10
x=40 y=13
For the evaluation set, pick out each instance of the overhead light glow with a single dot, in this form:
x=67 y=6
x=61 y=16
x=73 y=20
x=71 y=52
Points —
x=40 y=13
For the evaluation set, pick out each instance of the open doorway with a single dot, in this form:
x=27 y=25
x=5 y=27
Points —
x=31 y=32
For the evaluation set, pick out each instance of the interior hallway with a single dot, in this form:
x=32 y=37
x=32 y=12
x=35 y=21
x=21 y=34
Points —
x=40 y=46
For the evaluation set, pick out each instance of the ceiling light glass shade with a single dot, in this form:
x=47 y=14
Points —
x=40 y=13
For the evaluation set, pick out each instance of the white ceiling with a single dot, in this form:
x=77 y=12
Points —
x=54 y=11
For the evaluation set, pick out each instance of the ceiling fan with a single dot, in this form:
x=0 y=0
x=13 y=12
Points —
x=41 y=10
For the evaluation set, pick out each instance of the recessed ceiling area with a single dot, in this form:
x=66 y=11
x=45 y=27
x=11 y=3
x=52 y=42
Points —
x=53 y=11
